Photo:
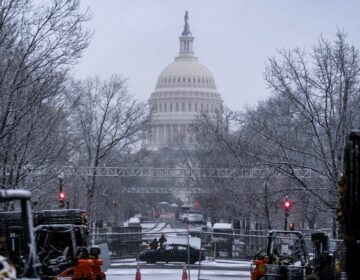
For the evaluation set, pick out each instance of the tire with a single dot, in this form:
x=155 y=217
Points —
x=151 y=260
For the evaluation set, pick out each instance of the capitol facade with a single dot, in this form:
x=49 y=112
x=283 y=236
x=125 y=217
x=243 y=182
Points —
x=184 y=90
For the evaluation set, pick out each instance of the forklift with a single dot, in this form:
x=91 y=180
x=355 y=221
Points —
x=18 y=241
x=286 y=257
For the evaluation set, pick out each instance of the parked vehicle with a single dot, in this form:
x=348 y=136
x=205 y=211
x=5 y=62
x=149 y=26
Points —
x=201 y=231
x=183 y=216
x=194 y=219
x=134 y=222
x=172 y=253
x=223 y=239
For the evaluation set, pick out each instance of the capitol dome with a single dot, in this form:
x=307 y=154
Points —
x=186 y=72
x=184 y=89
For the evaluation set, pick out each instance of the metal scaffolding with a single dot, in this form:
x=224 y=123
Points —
x=114 y=171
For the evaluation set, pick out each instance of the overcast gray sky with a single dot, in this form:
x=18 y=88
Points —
x=233 y=38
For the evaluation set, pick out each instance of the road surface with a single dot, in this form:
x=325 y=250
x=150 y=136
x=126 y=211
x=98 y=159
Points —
x=218 y=270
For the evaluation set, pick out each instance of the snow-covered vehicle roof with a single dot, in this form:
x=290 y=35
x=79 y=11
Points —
x=134 y=220
x=222 y=226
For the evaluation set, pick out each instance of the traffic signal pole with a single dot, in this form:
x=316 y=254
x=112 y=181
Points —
x=286 y=218
x=287 y=205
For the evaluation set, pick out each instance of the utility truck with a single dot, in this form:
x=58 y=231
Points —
x=60 y=238
x=223 y=239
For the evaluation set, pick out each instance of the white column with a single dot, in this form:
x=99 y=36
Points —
x=162 y=134
x=172 y=134
x=167 y=133
x=153 y=135
x=159 y=135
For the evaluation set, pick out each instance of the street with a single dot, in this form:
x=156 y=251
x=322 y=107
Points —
x=220 y=269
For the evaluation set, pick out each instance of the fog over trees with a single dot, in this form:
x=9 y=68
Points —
x=105 y=122
x=50 y=119
x=314 y=103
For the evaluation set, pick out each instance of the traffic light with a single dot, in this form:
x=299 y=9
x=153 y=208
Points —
x=287 y=204
x=62 y=199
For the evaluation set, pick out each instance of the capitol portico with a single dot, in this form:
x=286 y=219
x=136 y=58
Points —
x=184 y=89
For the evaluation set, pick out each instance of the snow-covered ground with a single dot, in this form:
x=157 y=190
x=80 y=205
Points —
x=217 y=263
x=125 y=269
x=176 y=274
x=210 y=270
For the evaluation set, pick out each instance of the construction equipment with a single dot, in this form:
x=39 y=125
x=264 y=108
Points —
x=87 y=267
x=59 y=237
x=59 y=234
x=286 y=257
x=17 y=238
x=62 y=241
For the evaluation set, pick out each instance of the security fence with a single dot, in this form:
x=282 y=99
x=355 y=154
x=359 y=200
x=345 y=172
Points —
x=125 y=242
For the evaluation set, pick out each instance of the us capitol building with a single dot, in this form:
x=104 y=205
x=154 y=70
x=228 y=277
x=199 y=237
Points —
x=184 y=89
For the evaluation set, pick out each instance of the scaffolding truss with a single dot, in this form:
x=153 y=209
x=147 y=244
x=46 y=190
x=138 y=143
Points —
x=114 y=171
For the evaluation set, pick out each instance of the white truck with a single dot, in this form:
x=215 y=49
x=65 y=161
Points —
x=223 y=239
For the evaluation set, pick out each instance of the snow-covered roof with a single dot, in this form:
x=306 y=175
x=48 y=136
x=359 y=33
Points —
x=222 y=226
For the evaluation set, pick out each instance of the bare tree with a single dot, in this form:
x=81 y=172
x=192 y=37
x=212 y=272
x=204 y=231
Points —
x=314 y=107
x=303 y=125
x=38 y=45
x=107 y=121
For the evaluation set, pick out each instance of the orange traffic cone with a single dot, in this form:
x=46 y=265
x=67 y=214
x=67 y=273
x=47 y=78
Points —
x=138 y=275
x=184 y=274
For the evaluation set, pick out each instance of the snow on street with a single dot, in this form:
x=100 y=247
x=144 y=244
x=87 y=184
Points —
x=175 y=274
x=210 y=270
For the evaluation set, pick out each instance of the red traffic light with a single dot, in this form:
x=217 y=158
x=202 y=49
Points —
x=287 y=203
x=62 y=196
